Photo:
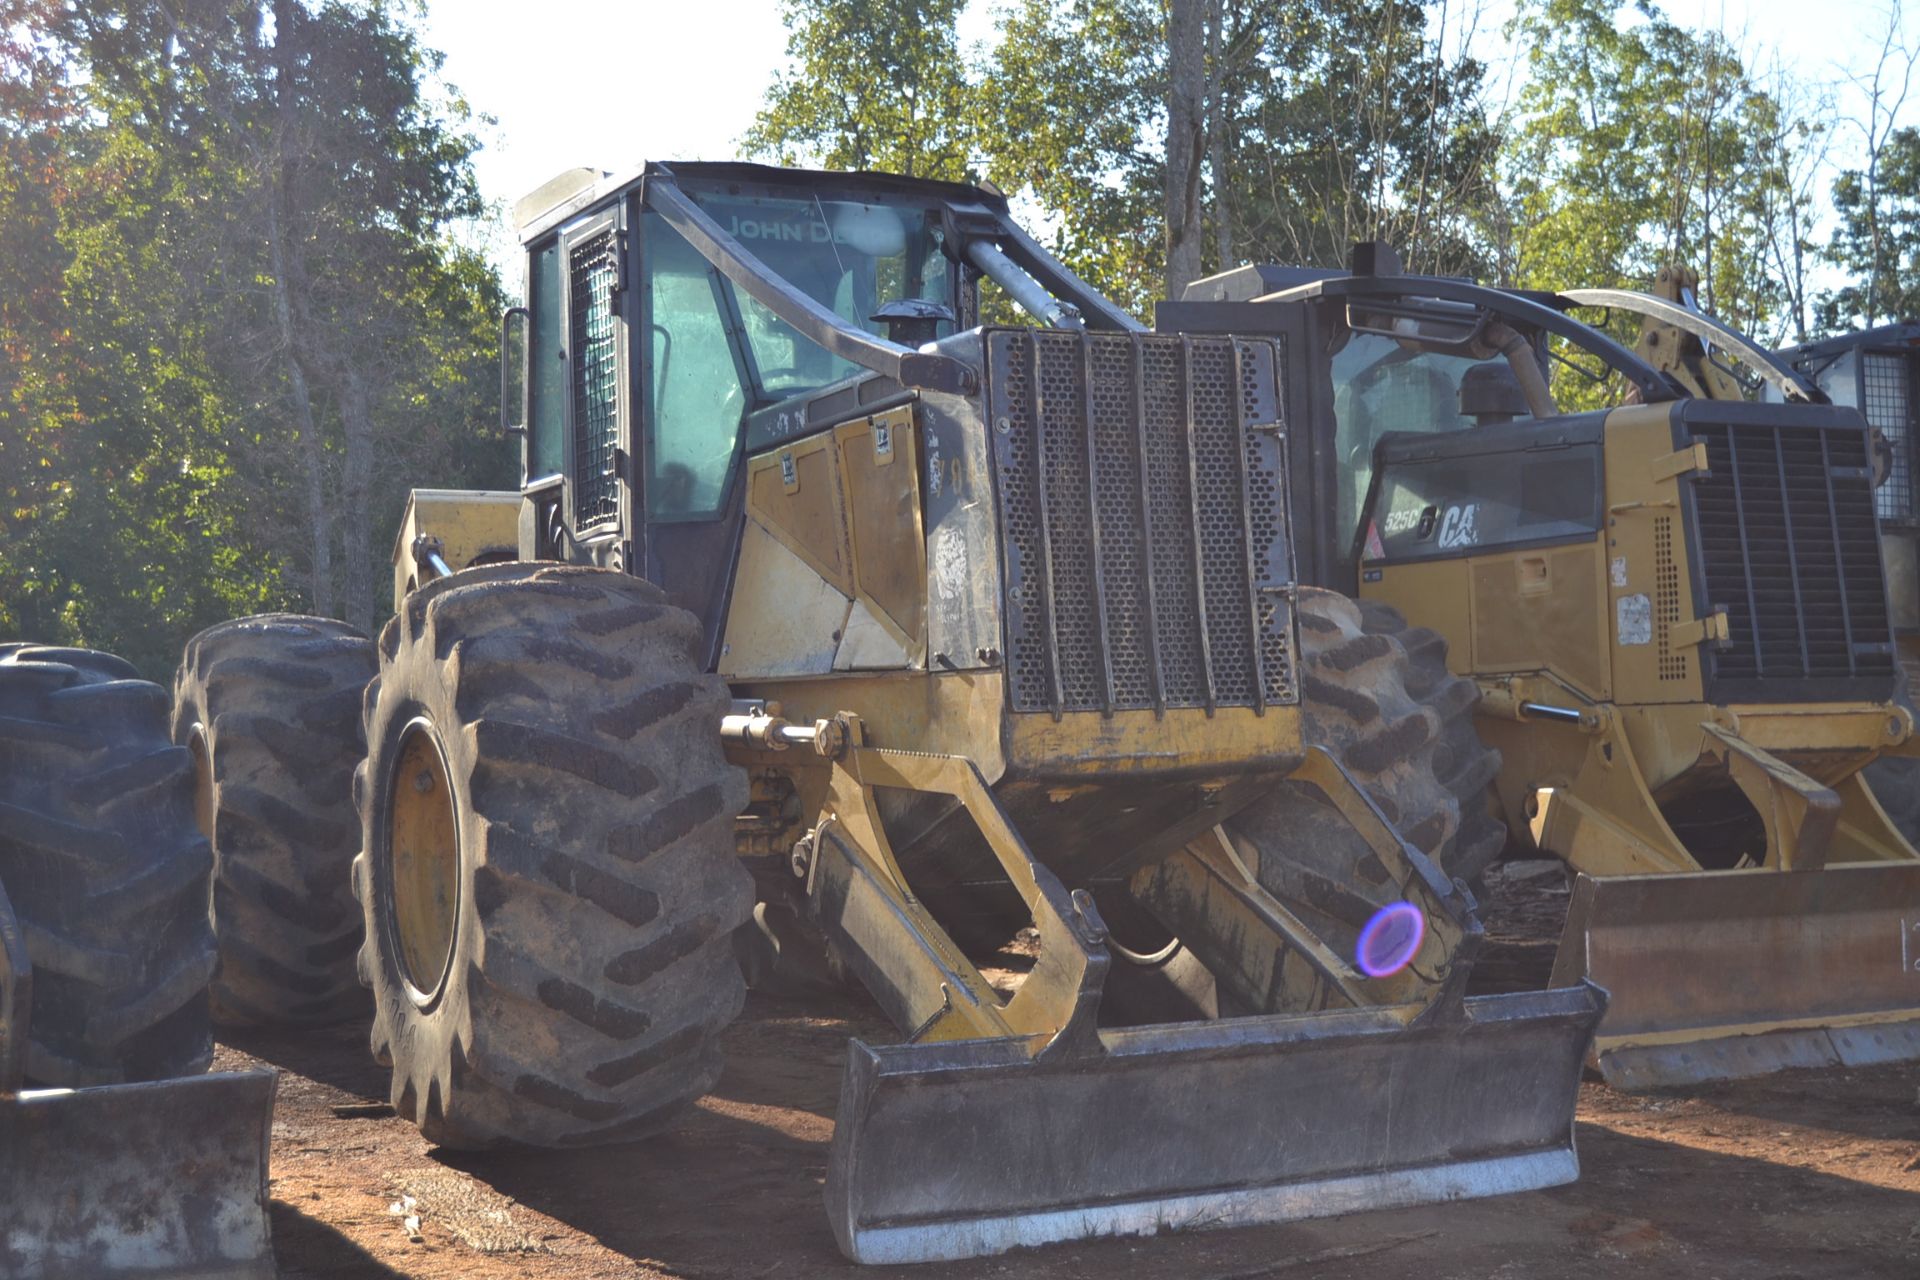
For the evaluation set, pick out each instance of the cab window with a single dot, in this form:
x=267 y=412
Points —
x=546 y=366
x=714 y=354
x=850 y=256
x=696 y=398
x=1381 y=385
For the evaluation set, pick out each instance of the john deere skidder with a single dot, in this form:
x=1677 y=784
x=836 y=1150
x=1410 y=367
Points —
x=916 y=639
x=1676 y=613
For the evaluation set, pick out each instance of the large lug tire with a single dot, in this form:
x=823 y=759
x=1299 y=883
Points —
x=1377 y=695
x=547 y=874
x=105 y=870
x=270 y=708
x=1447 y=783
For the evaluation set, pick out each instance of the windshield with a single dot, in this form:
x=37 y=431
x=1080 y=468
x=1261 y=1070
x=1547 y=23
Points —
x=1381 y=384
x=716 y=355
x=850 y=256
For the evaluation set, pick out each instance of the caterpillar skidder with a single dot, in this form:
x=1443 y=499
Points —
x=912 y=641
x=1676 y=613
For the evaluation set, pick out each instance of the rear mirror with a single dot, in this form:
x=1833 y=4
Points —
x=515 y=326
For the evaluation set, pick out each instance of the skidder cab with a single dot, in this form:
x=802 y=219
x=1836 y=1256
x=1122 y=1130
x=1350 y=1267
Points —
x=1675 y=610
x=928 y=631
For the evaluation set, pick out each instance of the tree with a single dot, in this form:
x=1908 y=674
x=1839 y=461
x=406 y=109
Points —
x=1355 y=124
x=1139 y=126
x=1639 y=144
x=253 y=332
x=1186 y=76
x=1876 y=240
x=1072 y=101
x=874 y=84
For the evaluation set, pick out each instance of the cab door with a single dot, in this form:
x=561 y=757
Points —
x=692 y=397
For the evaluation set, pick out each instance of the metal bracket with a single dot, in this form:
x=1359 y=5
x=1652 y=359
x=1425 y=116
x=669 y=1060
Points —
x=1713 y=628
x=1799 y=814
x=861 y=898
x=1687 y=461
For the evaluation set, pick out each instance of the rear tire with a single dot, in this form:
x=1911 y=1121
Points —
x=547 y=874
x=105 y=870
x=270 y=708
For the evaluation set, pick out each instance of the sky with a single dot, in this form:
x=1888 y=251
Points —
x=607 y=83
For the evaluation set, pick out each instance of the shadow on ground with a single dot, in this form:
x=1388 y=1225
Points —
x=308 y=1249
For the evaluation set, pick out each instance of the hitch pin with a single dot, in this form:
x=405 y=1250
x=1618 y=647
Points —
x=757 y=724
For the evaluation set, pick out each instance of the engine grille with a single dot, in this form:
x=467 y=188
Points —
x=1790 y=549
x=593 y=268
x=1143 y=513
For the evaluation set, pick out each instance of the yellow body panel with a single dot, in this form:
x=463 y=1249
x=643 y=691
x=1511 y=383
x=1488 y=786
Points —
x=1646 y=556
x=833 y=561
x=474 y=526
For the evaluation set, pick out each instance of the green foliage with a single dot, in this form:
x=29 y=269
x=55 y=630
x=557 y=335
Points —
x=875 y=84
x=1878 y=240
x=1337 y=120
x=153 y=469
x=1639 y=144
x=1348 y=122
x=1073 y=115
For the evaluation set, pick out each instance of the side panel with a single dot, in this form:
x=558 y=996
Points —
x=1539 y=611
x=1496 y=538
x=1650 y=589
x=832 y=573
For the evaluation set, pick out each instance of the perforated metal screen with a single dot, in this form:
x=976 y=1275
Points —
x=1887 y=404
x=1143 y=508
x=593 y=273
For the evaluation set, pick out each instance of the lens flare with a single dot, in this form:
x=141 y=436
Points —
x=1390 y=940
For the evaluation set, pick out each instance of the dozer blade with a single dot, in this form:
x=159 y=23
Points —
x=167 y=1179
x=1720 y=974
x=965 y=1148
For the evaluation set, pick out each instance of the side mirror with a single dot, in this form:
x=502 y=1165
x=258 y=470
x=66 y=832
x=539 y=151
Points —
x=515 y=329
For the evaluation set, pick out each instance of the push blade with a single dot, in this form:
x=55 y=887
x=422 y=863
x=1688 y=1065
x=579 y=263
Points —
x=1723 y=974
x=970 y=1148
x=159 y=1180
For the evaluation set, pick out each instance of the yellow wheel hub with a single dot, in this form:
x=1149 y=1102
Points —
x=423 y=846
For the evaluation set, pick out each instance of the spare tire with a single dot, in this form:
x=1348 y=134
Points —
x=105 y=870
x=547 y=874
x=269 y=706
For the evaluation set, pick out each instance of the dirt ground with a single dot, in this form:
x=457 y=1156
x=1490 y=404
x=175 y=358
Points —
x=1810 y=1175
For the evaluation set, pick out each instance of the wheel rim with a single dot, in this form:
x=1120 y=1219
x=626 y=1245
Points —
x=203 y=806
x=423 y=851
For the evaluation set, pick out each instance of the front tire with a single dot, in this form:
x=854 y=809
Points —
x=547 y=874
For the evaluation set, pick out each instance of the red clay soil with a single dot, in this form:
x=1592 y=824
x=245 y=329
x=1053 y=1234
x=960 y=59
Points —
x=1810 y=1175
